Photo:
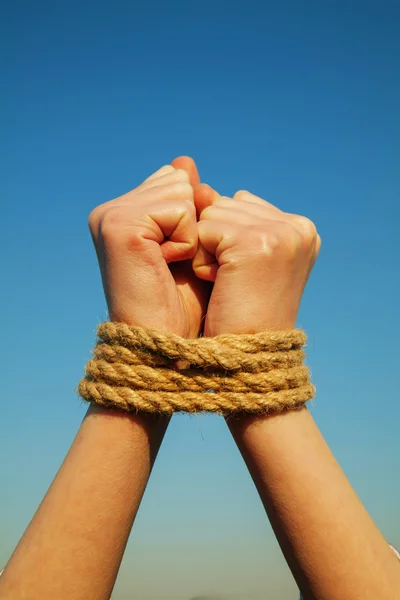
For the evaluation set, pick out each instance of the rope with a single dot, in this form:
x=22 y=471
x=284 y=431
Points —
x=135 y=369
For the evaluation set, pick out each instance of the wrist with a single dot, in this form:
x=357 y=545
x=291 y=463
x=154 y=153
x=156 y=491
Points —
x=246 y=426
x=127 y=425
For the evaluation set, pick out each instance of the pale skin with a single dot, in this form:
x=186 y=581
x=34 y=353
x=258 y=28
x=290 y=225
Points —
x=162 y=249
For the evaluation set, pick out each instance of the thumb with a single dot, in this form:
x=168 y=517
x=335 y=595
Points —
x=204 y=196
x=204 y=263
x=187 y=164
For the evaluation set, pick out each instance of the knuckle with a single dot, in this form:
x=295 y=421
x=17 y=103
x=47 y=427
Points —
x=188 y=207
x=280 y=238
x=307 y=228
x=165 y=169
x=206 y=213
x=110 y=221
x=183 y=190
x=222 y=201
x=258 y=240
x=318 y=244
x=134 y=240
x=202 y=227
x=182 y=175
x=290 y=239
x=95 y=218
x=241 y=195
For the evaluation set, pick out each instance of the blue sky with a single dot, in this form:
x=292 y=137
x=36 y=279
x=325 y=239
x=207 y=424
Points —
x=295 y=101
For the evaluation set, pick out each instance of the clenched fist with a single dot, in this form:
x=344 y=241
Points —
x=145 y=241
x=259 y=259
x=163 y=246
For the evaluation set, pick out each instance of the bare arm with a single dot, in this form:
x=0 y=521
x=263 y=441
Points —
x=73 y=546
x=331 y=544
x=259 y=259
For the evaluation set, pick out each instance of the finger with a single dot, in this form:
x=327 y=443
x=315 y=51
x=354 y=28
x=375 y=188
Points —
x=163 y=171
x=171 y=207
x=204 y=264
x=207 y=267
x=233 y=215
x=258 y=211
x=261 y=209
x=211 y=234
x=143 y=199
x=168 y=225
x=242 y=214
x=204 y=196
x=246 y=196
x=223 y=212
x=187 y=164
x=178 y=190
x=179 y=228
x=164 y=176
x=309 y=233
x=172 y=177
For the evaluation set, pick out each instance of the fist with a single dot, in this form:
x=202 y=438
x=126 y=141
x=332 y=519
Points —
x=259 y=259
x=140 y=238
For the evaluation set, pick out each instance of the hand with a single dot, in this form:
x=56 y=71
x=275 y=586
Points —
x=145 y=241
x=259 y=259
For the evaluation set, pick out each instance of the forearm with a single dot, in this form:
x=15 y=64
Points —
x=73 y=547
x=331 y=544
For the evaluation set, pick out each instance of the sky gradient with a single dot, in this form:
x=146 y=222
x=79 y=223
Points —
x=295 y=101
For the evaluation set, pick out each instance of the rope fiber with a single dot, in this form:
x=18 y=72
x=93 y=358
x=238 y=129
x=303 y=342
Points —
x=143 y=370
